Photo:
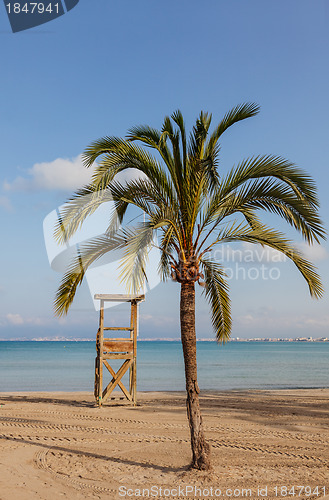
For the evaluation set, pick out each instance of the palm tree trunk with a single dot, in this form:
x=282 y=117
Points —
x=200 y=448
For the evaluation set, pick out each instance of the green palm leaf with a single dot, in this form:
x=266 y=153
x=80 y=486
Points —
x=217 y=294
x=276 y=240
x=188 y=204
x=87 y=254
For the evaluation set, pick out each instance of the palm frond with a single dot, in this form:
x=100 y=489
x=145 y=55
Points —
x=236 y=114
x=217 y=294
x=198 y=135
x=271 y=166
x=177 y=117
x=143 y=194
x=84 y=203
x=153 y=138
x=271 y=195
x=168 y=247
x=105 y=145
x=133 y=264
x=277 y=240
x=118 y=155
x=87 y=254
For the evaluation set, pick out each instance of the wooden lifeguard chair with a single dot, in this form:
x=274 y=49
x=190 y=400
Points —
x=117 y=348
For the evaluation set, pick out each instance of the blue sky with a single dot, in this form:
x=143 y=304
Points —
x=106 y=66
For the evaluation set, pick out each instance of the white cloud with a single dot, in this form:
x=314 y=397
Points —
x=22 y=321
x=319 y=322
x=17 y=319
x=130 y=174
x=60 y=174
x=259 y=253
x=315 y=252
x=14 y=319
x=5 y=203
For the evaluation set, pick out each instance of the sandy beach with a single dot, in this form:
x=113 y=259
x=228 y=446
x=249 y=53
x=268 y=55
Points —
x=265 y=444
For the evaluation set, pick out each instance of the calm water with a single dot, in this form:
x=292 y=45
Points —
x=69 y=366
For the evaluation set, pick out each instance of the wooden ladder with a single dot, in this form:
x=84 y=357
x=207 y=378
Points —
x=116 y=348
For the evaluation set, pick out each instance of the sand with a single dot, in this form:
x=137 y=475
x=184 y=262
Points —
x=59 y=445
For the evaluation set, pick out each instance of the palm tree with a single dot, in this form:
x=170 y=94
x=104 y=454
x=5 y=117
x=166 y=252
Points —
x=192 y=207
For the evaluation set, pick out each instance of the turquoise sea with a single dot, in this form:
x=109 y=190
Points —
x=69 y=366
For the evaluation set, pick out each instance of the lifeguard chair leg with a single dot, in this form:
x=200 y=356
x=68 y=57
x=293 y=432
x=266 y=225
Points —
x=116 y=380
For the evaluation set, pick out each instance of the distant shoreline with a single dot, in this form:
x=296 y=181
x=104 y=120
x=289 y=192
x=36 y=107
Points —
x=298 y=339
